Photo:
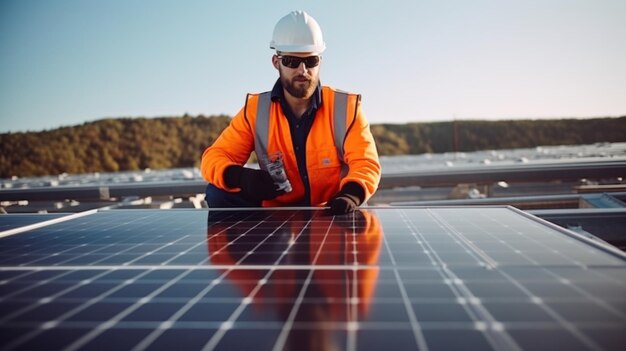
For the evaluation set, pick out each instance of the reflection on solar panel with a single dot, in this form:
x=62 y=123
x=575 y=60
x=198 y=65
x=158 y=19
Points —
x=299 y=279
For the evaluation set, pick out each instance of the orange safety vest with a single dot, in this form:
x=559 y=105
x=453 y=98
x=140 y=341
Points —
x=340 y=135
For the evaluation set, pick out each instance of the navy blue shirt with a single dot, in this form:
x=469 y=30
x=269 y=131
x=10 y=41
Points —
x=299 y=128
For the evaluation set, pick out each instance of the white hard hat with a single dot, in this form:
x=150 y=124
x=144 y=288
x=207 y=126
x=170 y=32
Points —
x=298 y=32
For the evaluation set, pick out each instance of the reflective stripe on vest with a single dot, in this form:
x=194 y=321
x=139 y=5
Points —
x=261 y=128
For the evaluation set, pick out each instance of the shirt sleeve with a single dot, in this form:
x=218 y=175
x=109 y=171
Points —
x=232 y=147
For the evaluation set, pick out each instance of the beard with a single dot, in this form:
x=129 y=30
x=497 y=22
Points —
x=300 y=86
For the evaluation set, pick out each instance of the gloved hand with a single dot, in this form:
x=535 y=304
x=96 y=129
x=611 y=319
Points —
x=255 y=184
x=347 y=200
x=342 y=204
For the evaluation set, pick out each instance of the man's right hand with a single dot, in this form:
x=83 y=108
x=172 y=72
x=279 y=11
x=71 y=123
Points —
x=255 y=184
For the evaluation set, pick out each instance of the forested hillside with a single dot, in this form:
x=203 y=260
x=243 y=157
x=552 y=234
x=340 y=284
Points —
x=418 y=138
x=110 y=145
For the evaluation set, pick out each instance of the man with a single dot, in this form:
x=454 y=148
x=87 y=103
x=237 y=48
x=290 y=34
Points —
x=313 y=144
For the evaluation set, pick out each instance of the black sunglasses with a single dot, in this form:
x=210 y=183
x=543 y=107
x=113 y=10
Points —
x=295 y=61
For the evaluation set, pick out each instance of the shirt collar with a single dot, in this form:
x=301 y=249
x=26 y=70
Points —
x=278 y=94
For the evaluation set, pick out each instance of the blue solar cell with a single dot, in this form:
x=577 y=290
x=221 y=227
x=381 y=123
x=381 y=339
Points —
x=456 y=340
x=246 y=339
x=387 y=339
x=52 y=339
x=118 y=338
x=99 y=312
x=183 y=339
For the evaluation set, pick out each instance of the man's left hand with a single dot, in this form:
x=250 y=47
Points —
x=343 y=203
x=348 y=199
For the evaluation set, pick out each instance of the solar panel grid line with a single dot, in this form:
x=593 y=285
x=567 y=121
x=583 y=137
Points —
x=128 y=249
x=182 y=253
x=242 y=259
x=521 y=234
x=482 y=257
x=148 y=253
x=48 y=239
x=161 y=250
x=484 y=321
x=570 y=327
x=13 y=293
x=610 y=279
x=420 y=340
x=7 y=280
x=50 y=324
x=539 y=230
x=183 y=267
x=288 y=325
x=47 y=299
x=26 y=228
x=78 y=344
x=560 y=254
x=156 y=333
x=170 y=322
x=225 y=229
x=319 y=250
x=350 y=300
x=350 y=282
x=227 y=325
x=557 y=253
x=352 y=310
x=595 y=243
x=18 y=220
x=239 y=263
x=557 y=277
x=23 y=251
x=562 y=321
x=588 y=296
x=482 y=230
x=416 y=327
x=330 y=325
x=445 y=229
x=127 y=263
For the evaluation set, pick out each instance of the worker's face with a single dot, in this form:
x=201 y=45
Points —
x=300 y=81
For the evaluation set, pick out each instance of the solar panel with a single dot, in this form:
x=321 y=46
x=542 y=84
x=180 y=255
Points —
x=282 y=279
x=13 y=221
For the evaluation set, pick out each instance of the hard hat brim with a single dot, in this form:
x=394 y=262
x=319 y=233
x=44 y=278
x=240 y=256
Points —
x=318 y=49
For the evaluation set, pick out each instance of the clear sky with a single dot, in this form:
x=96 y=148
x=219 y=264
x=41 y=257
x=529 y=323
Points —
x=65 y=62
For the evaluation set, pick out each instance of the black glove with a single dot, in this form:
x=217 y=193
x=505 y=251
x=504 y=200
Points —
x=347 y=200
x=255 y=184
